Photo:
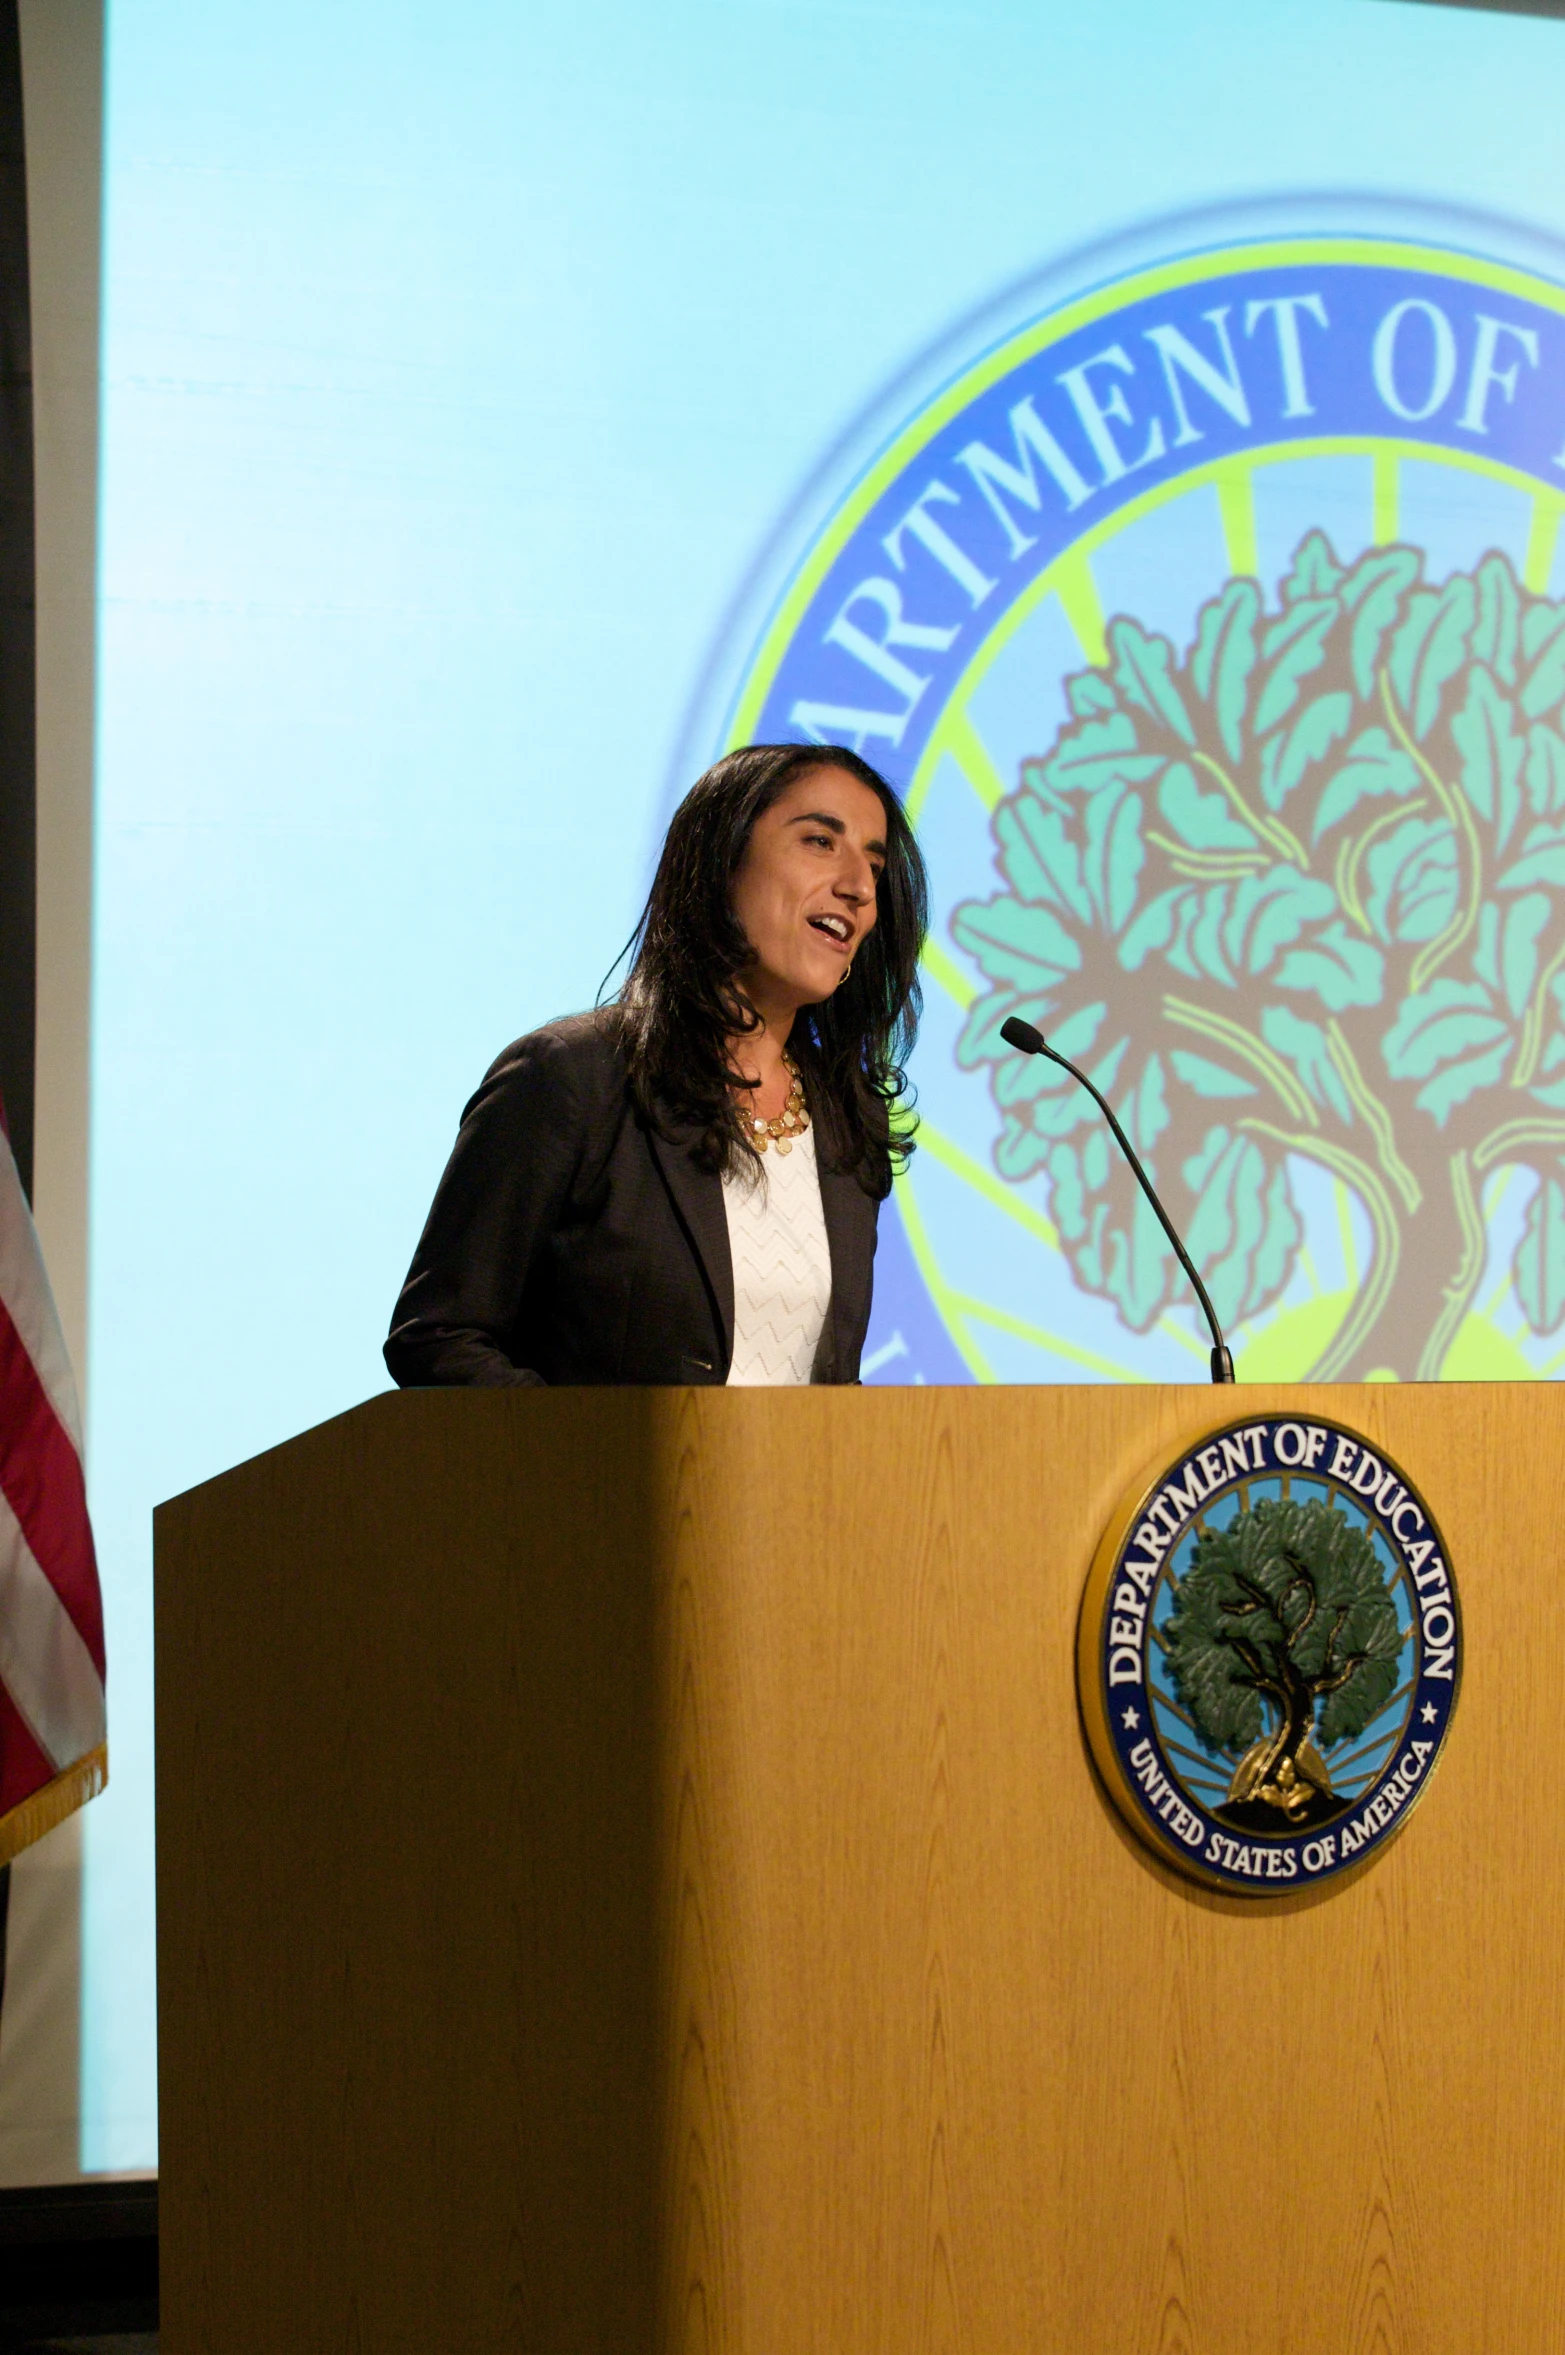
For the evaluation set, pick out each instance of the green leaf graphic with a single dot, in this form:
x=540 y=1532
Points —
x=1429 y=648
x=1224 y=657
x=1292 y=648
x=1497 y=624
x=1294 y=750
x=1245 y=1230
x=1492 y=753
x=1144 y=674
x=1413 y=881
x=1205 y=820
x=1374 y=593
x=1540 y=1257
x=1337 y=967
x=1543 y=649
x=1373 y=769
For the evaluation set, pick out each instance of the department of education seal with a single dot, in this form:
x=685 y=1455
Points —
x=1206 y=598
x=1269 y=1654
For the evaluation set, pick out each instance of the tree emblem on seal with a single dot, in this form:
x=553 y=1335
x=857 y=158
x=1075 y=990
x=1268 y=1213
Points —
x=1300 y=893
x=1283 y=1641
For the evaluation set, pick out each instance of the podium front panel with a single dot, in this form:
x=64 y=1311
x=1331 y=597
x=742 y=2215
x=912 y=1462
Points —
x=631 y=1882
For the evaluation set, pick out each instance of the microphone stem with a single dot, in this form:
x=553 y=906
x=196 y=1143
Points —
x=1222 y=1362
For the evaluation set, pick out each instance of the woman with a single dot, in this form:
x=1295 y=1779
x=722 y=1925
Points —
x=684 y=1185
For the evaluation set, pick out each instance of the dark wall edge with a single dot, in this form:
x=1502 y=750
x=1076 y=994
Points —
x=18 y=788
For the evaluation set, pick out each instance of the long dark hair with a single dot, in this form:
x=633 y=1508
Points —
x=683 y=1000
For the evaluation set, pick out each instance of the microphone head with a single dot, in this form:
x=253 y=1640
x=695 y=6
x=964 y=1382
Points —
x=1021 y=1035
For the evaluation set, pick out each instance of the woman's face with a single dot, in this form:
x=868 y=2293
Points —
x=805 y=890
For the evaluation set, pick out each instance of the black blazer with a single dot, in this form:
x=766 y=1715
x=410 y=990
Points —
x=571 y=1242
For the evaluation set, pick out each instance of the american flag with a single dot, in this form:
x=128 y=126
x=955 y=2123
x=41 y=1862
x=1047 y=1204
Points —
x=53 y=1753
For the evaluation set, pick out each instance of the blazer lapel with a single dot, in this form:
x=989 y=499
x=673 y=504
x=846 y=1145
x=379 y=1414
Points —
x=698 y=1201
x=850 y=1227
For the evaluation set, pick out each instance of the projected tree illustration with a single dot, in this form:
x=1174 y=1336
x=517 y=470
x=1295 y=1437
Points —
x=1299 y=893
x=1283 y=1642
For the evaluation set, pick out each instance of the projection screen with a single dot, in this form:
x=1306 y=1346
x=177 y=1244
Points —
x=1140 y=430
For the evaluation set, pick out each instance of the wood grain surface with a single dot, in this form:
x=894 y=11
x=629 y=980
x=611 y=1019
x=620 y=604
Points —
x=631 y=1883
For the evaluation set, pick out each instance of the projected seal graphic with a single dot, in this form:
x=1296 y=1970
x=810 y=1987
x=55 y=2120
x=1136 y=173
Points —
x=1269 y=1654
x=1214 y=624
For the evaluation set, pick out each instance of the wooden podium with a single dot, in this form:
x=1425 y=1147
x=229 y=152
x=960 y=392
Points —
x=631 y=1883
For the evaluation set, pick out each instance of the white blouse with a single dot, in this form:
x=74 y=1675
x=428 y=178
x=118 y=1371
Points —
x=782 y=1265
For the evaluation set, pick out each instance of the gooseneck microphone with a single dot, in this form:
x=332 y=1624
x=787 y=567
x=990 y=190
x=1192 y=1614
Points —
x=1028 y=1041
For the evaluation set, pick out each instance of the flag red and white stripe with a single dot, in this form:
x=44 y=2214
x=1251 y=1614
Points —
x=53 y=1753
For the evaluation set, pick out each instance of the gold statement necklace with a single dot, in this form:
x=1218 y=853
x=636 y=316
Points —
x=791 y=1121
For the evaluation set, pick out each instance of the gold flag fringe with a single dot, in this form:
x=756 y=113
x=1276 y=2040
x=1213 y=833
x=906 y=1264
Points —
x=28 y=1822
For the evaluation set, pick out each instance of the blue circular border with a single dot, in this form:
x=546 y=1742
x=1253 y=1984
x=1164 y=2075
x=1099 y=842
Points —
x=1183 y=236
x=890 y=628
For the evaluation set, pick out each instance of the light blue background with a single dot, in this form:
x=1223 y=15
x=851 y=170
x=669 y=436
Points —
x=459 y=361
